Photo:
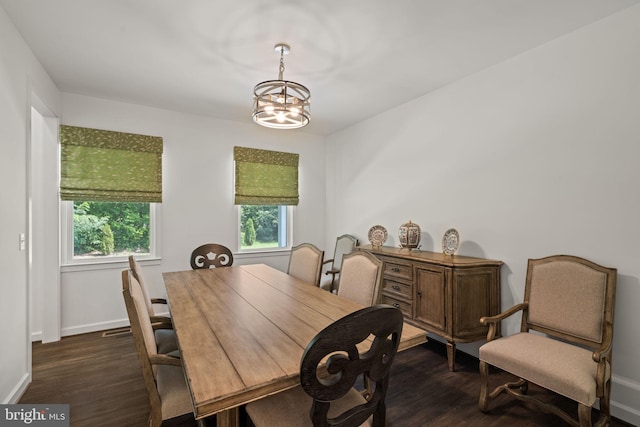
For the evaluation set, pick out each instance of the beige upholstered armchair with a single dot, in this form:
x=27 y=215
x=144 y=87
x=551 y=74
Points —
x=162 y=373
x=564 y=344
x=345 y=244
x=360 y=278
x=162 y=326
x=305 y=263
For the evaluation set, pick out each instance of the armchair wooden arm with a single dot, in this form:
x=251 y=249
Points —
x=163 y=359
x=607 y=342
x=494 y=320
x=161 y=322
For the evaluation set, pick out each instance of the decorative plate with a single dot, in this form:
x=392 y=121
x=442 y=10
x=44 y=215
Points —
x=450 y=241
x=377 y=235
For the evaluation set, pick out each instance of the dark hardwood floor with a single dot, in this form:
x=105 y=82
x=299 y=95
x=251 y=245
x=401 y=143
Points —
x=100 y=378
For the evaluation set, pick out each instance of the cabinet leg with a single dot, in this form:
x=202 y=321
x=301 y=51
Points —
x=451 y=355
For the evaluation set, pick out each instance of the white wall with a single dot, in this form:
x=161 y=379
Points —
x=21 y=78
x=536 y=156
x=197 y=203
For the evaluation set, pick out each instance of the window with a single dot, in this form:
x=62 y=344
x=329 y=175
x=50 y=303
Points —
x=266 y=186
x=110 y=188
x=95 y=232
x=264 y=227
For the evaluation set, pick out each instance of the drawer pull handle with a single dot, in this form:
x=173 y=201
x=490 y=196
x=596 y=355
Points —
x=396 y=287
x=395 y=270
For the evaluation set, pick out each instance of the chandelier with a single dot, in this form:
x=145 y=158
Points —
x=281 y=104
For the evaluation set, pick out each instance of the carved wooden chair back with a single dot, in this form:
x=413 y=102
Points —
x=211 y=255
x=569 y=303
x=362 y=343
x=305 y=263
x=360 y=278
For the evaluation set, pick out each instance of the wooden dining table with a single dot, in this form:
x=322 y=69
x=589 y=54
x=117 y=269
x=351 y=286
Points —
x=242 y=330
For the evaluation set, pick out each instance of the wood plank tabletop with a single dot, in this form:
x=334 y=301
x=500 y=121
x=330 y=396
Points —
x=242 y=331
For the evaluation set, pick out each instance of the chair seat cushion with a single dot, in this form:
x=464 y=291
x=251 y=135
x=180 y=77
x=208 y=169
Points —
x=166 y=340
x=292 y=408
x=173 y=391
x=563 y=368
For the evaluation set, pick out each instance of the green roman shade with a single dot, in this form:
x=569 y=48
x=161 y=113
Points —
x=265 y=177
x=100 y=165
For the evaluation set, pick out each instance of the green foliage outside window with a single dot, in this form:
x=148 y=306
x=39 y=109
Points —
x=107 y=228
x=263 y=220
x=249 y=238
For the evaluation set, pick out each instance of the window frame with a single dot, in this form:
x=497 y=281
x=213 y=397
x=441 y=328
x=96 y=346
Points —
x=289 y=230
x=67 y=261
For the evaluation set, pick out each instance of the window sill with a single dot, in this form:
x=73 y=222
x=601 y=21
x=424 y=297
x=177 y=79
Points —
x=116 y=263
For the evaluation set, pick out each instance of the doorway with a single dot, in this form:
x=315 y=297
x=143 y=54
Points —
x=43 y=225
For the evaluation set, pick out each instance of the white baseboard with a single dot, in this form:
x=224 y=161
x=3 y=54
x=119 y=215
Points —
x=18 y=390
x=93 y=327
x=36 y=336
x=625 y=394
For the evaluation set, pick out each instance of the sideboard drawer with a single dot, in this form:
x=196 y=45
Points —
x=395 y=269
x=400 y=288
x=404 y=306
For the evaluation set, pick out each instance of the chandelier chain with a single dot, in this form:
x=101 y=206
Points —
x=281 y=71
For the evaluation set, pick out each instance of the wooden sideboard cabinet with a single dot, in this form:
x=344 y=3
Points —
x=443 y=294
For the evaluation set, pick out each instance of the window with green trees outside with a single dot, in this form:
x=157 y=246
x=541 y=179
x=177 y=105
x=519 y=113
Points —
x=111 y=229
x=263 y=227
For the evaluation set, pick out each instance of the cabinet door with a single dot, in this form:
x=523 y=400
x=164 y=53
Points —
x=475 y=294
x=430 y=297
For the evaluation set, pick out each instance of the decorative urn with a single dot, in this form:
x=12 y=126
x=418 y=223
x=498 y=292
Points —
x=409 y=235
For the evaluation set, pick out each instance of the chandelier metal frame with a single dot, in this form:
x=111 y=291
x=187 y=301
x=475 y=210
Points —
x=281 y=104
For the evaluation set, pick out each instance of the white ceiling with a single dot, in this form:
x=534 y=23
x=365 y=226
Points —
x=358 y=57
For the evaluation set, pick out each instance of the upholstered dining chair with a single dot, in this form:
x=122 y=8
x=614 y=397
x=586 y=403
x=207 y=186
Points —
x=326 y=395
x=211 y=255
x=360 y=278
x=305 y=263
x=345 y=244
x=565 y=339
x=162 y=326
x=163 y=375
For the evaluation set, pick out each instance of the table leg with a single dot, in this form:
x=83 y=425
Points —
x=228 y=418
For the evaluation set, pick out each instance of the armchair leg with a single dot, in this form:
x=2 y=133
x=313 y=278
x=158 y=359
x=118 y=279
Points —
x=483 y=403
x=584 y=415
x=604 y=420
x=486 y=396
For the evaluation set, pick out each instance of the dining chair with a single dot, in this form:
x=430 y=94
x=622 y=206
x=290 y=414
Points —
x=163 y=328
x=163 y=374
x=211 y=255
x=305 y=263
x=345 y=244
x=326 y=394
x=360 y=278
x=565 y=339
